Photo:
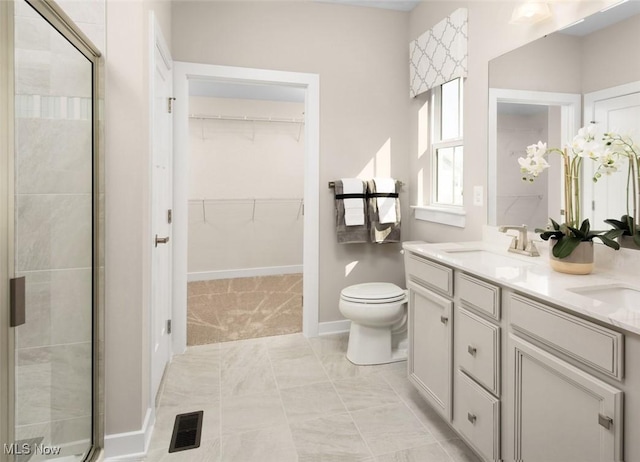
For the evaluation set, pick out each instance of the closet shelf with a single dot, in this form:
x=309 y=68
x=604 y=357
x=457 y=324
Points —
x=289 y=120
x=248 y=118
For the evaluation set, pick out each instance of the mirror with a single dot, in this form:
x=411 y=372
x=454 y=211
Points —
x=546 y=90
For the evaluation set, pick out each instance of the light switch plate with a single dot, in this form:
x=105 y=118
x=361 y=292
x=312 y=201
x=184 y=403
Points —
x=478 y=194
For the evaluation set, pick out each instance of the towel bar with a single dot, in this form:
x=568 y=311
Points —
x=332 y=184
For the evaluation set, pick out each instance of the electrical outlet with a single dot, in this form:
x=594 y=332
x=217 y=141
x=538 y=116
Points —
x=478 y=195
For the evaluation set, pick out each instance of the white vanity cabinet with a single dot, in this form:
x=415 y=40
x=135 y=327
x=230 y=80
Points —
x=430 y=331
x=558 y=411
x=519 y=377
x=477 y=360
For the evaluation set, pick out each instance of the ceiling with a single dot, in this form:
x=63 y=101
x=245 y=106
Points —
x=398 y=5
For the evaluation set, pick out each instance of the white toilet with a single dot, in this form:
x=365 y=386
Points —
x=378 y=315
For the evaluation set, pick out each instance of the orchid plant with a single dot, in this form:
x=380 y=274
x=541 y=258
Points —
x=569 y=234
x=615 y=148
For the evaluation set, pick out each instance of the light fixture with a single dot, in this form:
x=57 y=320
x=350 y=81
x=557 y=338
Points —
x=530 y=13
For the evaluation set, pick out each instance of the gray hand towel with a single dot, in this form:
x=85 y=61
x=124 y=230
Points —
x=382 y=233
x=349 y=234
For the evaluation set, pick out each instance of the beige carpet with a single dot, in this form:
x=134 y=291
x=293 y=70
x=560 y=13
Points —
x=234 y=309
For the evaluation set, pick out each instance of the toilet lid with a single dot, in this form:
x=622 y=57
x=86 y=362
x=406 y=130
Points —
x=373 y=292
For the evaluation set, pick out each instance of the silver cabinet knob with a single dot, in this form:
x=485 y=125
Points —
x=444 y=319
x=161 y=240
x=471 y=418
x=472 y=350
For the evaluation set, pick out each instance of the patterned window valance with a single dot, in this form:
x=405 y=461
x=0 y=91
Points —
x=440 y=54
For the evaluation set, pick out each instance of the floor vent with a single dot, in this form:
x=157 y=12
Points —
x=186 y=431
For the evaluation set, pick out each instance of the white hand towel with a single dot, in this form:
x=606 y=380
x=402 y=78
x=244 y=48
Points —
x=353 y=208
x=386 y=205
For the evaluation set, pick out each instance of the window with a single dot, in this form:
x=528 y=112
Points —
x=447 y=146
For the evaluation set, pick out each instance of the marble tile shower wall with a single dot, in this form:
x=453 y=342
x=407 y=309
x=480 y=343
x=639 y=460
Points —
x=53 y=209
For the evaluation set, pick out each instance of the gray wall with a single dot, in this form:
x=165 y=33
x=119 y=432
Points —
x=490 y=35
x=361 y=55
x=128 y=273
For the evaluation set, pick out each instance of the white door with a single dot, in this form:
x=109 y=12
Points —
x=161 y=209
x=622 y=115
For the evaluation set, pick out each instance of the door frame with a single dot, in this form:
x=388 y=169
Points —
x=7 y=337
x=183 y=72
x=570 y=104
x=590 y=100
x=63 y=24
x=156 y=40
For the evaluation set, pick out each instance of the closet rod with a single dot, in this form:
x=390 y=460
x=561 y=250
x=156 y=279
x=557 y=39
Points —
x=332 y=184
x=247 y=118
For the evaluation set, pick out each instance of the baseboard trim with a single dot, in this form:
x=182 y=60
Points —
x=130 y=446
x=244 y=273
x=334 y=327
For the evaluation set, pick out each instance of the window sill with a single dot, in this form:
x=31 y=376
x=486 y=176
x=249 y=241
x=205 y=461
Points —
x=451 y=216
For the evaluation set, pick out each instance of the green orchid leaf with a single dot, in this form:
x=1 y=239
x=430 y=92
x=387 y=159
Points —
x=585 y=226
x=608 y=242
x=636 y=238
x=616 y=223
x=614 y=233
x=549 y=234
x=556 y=226
x=565 y=246
x=628 y=219
x=578 y=233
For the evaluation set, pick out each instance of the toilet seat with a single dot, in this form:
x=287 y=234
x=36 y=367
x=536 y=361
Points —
x=373 y=293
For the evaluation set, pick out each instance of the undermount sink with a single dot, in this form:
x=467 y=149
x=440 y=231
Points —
x=617 y=295
x=487 y=256
x=463 y=250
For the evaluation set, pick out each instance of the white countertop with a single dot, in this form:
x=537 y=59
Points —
x=534 y=276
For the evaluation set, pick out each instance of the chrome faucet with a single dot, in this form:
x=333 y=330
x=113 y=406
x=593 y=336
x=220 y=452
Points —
x=520 y=243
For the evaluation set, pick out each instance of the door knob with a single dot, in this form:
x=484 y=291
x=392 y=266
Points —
x=161 y=240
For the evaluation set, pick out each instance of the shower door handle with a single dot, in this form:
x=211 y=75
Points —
x=17 y=301
x=161 y=240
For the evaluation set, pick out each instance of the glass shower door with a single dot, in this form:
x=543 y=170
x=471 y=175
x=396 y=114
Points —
x=53 y=244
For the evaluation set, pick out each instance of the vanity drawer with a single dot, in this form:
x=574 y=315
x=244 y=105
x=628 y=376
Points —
x=477 y=348
x=477 y=416
x=479 y=295
x=429 y=274
x=593 y=345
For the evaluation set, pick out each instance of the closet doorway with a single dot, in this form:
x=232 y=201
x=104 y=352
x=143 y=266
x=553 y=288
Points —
x=246 y=197
x=246 y=189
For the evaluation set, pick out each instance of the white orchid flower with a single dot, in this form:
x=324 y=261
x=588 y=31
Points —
x=533 y=165
x=537 y=150
x=608 y=162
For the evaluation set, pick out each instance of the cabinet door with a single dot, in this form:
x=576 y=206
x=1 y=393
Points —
x=430 y=335
x=561 y=413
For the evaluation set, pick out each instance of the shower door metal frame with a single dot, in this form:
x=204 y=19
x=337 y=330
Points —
x=59 y=20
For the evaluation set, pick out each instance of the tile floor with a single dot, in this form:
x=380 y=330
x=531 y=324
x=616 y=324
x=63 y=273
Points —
x=288 y=398
x=225 y=310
